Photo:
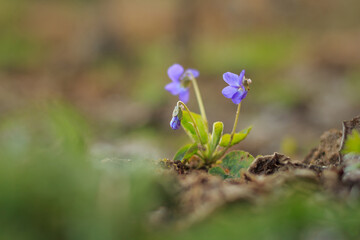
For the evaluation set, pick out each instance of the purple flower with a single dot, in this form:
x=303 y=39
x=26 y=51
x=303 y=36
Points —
x=176 y=73
x=175 y=123
x=236 y=90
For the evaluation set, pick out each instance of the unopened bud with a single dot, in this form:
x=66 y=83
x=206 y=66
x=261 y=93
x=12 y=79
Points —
x=175 y=123
x=176 y=118
x=246 y=83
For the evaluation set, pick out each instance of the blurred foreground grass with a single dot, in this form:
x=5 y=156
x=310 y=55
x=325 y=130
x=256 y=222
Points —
x=52 y=188
x=49 y=188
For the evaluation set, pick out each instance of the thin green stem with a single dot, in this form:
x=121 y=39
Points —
x=198 y=97
x=232 y=132
x=192 y=119
x=235 y=123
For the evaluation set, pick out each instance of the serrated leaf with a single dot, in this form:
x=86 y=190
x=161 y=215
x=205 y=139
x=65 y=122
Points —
x=238 y=137
x=218 y=171
x=216 y=135
x=188 y=126
x=236 y=160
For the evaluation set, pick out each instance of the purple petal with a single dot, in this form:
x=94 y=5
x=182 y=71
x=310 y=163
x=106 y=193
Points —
x=175 y=72
x=239 y=96
x=229 y=91
x=174 y=88
x=241 y=76
x=194 y=72
x=184 y=95
x=232 y=79
x=243 y=95
x=175 y=123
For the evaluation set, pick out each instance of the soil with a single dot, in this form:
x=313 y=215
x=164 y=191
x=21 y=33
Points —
x=327 y=153
x=324 y=167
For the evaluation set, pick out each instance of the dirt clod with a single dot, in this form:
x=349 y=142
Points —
x=327 y=153
x=177 y=166
x=269 y=164
x=202 y=193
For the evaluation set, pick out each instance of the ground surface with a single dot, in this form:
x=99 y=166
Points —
x=325 y=169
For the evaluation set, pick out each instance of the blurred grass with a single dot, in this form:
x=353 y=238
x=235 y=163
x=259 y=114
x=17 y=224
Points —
x=50 y=189
x=297 y=216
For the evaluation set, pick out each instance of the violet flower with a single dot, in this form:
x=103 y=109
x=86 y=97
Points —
x=175 y=123
x=236 y=90
x=177 y=87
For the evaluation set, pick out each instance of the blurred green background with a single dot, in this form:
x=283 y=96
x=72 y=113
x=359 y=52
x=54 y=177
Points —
x=109 y=60
x=84 y=80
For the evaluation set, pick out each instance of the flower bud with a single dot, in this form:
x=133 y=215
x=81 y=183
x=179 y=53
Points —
x=175 y=123
x=246 y=83
x=176 y=118
x=177 y=112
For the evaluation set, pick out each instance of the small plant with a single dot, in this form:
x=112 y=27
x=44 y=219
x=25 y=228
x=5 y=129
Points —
x=208 y=147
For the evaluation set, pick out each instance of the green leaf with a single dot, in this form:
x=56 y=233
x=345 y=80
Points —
x=236 y=160
x=352 y=144
x=191 y=151
x=238 y=137
x=180 y=154
x=216 y=135
x=188 y=126
x=218 y=171
x=186 y=152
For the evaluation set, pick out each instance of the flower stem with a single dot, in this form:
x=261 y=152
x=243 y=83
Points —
x=198 y=97
x=219 y=155
x=235 y=123
x=191 y=117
